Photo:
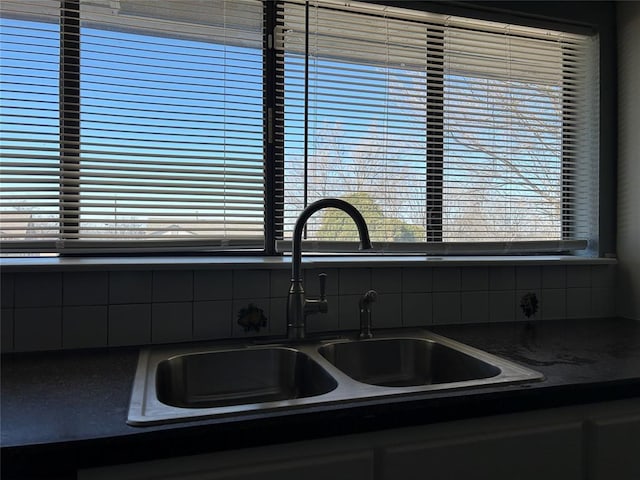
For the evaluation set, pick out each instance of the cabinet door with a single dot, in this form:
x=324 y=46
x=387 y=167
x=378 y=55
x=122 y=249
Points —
x=348 y=466
x=614 y=448
x=536 y=453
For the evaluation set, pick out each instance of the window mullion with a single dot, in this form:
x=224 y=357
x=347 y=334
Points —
x=435 y=136
x=274 y=130
x=568 y=141
x=69 y=119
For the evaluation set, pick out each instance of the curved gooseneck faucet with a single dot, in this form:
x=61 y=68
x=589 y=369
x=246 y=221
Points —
x=298 y=307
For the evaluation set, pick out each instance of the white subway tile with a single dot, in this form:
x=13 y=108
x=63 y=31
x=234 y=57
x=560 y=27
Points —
x=578 y=276
x=37 y=329
x=502 y=278
x=84 y=326
x=417 y=280
x=354 y=281
x=278 y=316
x=553 y=303
x=386 y=311
x=349 y=312
x=171 y=322
x=386 y=280
x=578 y=302
x=554 y=276
x=474 y=279
x=38 y=289
x=446 y=307
x=129 y=287
x=446 y=279
x=212 y=285
x=85 y=288
x=528 y=278
x=417 y=309
x=212 y=319
x=474 y=307
x=502 y=306
x=130 y=324
x=173 y=286
x=248 y=284
x=280 y=283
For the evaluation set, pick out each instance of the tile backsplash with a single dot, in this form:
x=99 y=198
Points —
x=70 y=310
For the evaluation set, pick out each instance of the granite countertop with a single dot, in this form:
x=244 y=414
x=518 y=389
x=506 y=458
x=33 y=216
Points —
x=61 y=411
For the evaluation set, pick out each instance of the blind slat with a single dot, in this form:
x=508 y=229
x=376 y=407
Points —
x=436 y=128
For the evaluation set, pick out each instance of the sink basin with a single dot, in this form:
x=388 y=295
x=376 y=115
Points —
x=405 y=362
x=216 y=379
x=176 y=383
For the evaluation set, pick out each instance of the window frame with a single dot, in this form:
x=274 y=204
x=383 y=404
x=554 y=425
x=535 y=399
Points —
x=69 y=16
x=435 y=163
x=273 y=140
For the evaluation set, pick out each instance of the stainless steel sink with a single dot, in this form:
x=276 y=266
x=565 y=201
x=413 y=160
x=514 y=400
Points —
x=217 y=379
x=180 y=383
x=405 y=362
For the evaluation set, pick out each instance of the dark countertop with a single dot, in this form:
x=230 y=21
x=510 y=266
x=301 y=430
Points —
x=61 y=411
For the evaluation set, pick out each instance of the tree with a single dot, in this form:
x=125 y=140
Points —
x=502 y=165
x=337 y=225
x=372 y=175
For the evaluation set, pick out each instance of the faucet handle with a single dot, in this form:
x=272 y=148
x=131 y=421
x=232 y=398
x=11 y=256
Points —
x=320 y=305
x=323 y=285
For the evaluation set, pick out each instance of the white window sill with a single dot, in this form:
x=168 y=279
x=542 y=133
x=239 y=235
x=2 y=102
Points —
x=25 y=264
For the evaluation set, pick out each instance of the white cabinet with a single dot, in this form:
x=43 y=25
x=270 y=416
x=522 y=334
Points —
x=300 y=461
x=613 y=444
x=550 y=452
x=587 y=442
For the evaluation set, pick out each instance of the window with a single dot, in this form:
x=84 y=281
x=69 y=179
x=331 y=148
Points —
x=445 y=132
x=190 y=124
x=148 y=120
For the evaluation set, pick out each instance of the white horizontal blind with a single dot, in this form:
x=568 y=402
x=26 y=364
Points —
x=520 y=141
x=169 y=150
x=366 y=140
x=29 y=120
x=439 y=129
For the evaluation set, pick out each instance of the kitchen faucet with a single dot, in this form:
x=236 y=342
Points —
x=298 y=307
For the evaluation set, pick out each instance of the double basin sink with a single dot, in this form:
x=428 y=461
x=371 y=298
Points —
x=175 y=384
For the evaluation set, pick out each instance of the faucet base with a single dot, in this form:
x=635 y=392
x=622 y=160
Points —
x=296 y=332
